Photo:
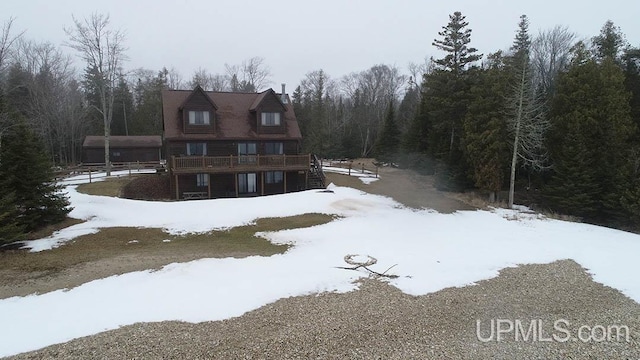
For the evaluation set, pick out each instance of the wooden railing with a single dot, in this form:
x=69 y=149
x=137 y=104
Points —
x=232 y=163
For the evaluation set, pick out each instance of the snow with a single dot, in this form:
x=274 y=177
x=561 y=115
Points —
x=431 y=251
x=366 y=177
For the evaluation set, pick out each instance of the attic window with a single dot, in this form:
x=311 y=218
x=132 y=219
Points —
x=270 y=119
x=199 y=118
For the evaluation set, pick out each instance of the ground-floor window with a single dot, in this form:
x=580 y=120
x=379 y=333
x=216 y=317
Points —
x=273 y=177
x=202 y=180
x=247 y=183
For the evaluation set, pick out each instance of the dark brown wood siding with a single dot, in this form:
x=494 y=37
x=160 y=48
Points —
x=93 y=155
x=198 y=102
x=227 y=147
x=270 y=104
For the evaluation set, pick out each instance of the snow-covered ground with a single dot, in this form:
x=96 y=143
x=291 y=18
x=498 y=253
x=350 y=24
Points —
x=431 y=251
x=366 y=177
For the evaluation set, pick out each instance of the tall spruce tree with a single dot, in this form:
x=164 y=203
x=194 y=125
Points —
x=445 y=101
x=27 y=180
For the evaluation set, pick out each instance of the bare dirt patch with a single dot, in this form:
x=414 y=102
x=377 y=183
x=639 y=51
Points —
x=405 y=186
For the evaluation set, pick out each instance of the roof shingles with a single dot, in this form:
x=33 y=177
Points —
x=234 y=116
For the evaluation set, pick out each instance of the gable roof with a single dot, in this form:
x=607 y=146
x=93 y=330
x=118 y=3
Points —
x=261 y=98
x=196 y=91
x=150 y=141
x=233 y=117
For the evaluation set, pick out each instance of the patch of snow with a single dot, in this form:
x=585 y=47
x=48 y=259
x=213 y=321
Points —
x=166 y=240
x=368 y=180
x=133 y=242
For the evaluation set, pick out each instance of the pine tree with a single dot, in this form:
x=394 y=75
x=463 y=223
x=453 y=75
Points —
x=389 y=140
x=445 y=100
x=27 y=176
x=455 y=41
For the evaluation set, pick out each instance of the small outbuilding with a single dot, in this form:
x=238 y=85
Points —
x=122 y=149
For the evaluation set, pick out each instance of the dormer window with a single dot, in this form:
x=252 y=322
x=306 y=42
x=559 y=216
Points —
x=270 y=119
x=199 y=118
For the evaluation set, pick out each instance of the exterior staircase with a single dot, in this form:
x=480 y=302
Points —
x=316 y=179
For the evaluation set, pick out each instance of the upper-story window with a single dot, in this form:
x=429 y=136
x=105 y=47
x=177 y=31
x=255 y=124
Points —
x=199 y=118
x=270 y=119
x=196 y=148
x=273 y=148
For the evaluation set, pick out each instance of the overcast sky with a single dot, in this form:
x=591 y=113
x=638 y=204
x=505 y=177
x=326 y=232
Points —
x=298 y=36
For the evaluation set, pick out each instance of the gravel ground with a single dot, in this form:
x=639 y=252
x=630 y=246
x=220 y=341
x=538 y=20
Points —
x=380 y=322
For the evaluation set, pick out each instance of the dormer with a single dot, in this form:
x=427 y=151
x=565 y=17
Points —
x=269 y=111
x=198 y=113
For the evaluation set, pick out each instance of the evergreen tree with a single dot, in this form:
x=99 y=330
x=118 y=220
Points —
x=609 y=43
x=389 y=140
x=455 y=40
x=10 y=229
x=485 y=127
x=27 y=177
x=591 y=134
x=445 y=100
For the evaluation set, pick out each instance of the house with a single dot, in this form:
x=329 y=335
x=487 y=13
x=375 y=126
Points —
x=224 y=144
x=122 y=149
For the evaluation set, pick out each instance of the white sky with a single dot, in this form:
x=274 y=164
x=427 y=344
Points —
x=296 y=36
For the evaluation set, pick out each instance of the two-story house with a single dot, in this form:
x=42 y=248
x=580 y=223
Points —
x=223 y=144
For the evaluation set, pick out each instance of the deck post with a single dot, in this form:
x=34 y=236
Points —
x=284 y=177
x=236 y=181
x=209 y=185
x=262 y=183
x=177 y=188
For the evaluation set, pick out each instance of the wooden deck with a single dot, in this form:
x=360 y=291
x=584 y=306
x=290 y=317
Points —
x=237 y=164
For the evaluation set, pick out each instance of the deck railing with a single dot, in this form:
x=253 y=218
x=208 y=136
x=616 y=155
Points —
x=233 y=163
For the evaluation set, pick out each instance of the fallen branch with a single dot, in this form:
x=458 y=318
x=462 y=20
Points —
x=365 y=265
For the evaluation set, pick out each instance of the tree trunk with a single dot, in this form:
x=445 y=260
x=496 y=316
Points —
x=516 y=138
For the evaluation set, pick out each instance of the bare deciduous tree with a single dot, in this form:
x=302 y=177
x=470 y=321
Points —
x=374 y=88
x=525 y=109
x=6 y=41
x=550 y=54
x=103 y=50
x=250 y=76
x=174 y=79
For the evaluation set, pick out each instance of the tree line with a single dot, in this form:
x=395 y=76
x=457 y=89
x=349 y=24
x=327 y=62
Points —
x=553 y=117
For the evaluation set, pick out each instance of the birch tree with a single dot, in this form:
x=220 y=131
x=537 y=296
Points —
x=102 y=48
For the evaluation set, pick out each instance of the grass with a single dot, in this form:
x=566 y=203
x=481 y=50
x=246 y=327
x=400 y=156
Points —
x=151 y=242
x=50 y=229
x=107 y=187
